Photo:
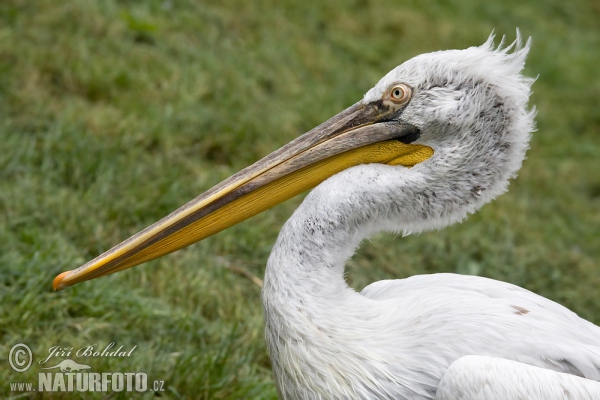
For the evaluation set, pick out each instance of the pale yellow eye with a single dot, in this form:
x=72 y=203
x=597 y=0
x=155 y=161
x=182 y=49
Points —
x=399 y=93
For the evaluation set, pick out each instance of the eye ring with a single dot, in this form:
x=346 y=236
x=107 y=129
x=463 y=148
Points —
x=399 y=94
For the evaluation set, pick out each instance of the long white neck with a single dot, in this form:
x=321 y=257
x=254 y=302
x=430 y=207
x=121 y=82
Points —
x=308 y=258
x=311 y=315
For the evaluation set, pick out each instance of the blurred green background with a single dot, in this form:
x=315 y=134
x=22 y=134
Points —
x=114 y=113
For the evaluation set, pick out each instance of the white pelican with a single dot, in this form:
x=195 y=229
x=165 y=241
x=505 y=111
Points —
x=434 y=140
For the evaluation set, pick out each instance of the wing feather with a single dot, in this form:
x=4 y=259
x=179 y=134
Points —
x=469 y=315
x=489 y=378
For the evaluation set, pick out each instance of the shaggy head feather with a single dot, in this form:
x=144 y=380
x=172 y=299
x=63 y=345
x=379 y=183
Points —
x=471 y=108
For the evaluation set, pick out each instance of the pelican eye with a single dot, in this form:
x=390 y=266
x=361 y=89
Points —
x=399 y=94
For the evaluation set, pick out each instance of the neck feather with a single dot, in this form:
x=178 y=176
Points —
x=311 y=315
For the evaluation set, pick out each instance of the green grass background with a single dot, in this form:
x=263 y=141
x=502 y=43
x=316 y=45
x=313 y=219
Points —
x=114 y=113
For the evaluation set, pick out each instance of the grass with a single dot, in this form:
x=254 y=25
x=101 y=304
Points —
x=114 y=113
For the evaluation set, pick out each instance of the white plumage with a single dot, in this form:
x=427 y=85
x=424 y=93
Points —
x=434 y=140
x=396 y=339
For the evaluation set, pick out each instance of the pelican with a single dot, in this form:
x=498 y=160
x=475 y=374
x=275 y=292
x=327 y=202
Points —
x=435 y=139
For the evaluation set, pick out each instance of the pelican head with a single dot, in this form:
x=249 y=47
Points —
x=448 y=128
x=470 y=107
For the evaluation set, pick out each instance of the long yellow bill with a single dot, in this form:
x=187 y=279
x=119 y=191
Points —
x=362 y=134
